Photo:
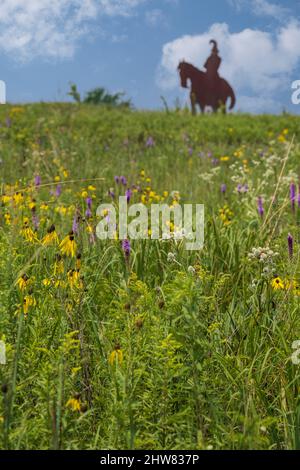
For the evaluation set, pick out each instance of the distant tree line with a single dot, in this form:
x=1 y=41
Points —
x=100 y=96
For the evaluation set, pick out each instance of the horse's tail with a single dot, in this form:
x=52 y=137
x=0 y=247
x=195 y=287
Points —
x=232 y=96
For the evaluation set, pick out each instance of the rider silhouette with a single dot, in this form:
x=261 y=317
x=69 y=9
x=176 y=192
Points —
x=212 y=65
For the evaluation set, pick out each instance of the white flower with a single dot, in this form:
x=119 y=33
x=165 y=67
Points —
x=166 y=236
x=191 y=270
x=171 y=257
x=178 y=235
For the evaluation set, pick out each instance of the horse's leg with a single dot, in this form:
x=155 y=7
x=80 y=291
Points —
x=223 y=106
x=202 y=105
x=193 y=103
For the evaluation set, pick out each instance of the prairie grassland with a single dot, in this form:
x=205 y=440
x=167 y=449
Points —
x=148 y=346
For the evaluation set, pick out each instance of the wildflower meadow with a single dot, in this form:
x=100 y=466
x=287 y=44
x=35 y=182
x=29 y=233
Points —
x=143 y=344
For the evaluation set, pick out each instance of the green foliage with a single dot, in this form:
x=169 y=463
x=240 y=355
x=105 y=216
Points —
x=191 y=350
x=100 y=96
x=74 y=93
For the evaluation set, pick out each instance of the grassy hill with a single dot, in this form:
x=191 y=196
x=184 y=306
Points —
x=148 y=345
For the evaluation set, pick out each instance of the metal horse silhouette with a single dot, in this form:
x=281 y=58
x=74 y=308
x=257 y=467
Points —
x=207 y=88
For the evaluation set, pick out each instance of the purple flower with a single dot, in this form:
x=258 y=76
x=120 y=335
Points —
x=128 y=194
x=190 y=151
x=223 y=188
x=117 y=179
x=242 y=188
x=293 y=195
x=126 y=248
x=123 y=180
x=88 y=213
x=150 y=142
x=75 y=225
x=37 y=181
x=291 y=245
x=89 y=202
x=58 y=190
x=260 y=206
x=111 y=193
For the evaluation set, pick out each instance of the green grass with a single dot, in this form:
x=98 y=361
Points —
x=151 y=353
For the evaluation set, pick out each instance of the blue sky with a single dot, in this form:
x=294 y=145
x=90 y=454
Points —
x=135 y=46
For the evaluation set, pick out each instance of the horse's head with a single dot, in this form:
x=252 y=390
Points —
x=183 y=74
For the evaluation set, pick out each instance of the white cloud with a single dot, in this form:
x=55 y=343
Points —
x=262 y=8
x=257 y=63
x=51 y=28
x=155 y=17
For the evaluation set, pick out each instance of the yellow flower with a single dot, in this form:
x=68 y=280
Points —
x=6 y=199
x=78 y=261
x=281 y=138
x=277 y=283
x=290 y=284
x=44 y=207
x=74 y=404
x=224 y=159
x=74 y=278
x=23 y=282
x=104 y=213
x=7 y=219
x=31 y=205
x=58 y=265
x=18 y=198
x=61 y=210
x=59 y=283
x=91 y=188
x=116 y=355
x=51 y=237
x=28 y=302
x=68 y=246
x=46 y=282
x=225 y=215
x=29 y=234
